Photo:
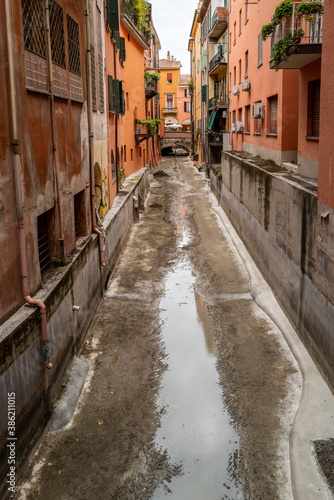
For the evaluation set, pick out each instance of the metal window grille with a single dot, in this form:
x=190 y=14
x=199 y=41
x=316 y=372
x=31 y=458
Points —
x=73 y=46
x=273 y=114
x=33 y=26
x=93 y=78
x=260 y=50
x=315 y=108
x=57 y=34
x=101 y=83
x=43 y=241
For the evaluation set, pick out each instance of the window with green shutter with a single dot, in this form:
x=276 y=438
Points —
x=112 y=15
x=122 y=54
x=204 y=92
x=111 y=94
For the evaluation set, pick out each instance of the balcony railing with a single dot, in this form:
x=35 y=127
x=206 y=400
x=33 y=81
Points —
x=218 y=102
x=218 y=58
x=309 y=45
x=219 y=22
x=166 y=111
x=150 y=89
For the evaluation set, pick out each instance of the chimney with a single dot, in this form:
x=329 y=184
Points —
x=172 y=58
x=168 y=56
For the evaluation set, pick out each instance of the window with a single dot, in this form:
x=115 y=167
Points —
x=131 y=154
x=115 y=96
x=73 y=46
x=44 y=223
x=113 y=167
x=258 y=124
x=235 y=32
x=272 y=125
x=92 y=58
x=230 y=41
x=101 y=84
x=112 y=15
x=80 y=228
x=187 y=107
x=247 y=119
x=246 y=64
x=240 y=21
x=239 y=70
x=247 y=11
x=186 y=93
x=169 y=78
x=204 y=93
x=139 y=152
x=313 y=109
x=234 y=114
x=235 y=76
x=33 y=26
x=170 y=100
x=57 y=35
x=122 y=51
x=124 y=154
x=260 y=50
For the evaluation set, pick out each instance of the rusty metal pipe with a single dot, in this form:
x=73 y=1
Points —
x=91 y=135
x=18 y=187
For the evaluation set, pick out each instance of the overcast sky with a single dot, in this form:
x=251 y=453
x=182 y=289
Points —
x=173 y=20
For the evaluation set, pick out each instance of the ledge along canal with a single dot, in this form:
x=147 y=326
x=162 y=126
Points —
x=196 y=428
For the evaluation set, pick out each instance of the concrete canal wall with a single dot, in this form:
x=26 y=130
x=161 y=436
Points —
x=278 y=219
x=81 y=283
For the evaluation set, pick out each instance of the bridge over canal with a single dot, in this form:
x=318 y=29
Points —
x=176 y=140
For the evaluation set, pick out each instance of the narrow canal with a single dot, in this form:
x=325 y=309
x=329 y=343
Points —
x=196 y=429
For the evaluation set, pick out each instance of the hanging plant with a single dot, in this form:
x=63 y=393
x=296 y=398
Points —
x=151 y=78
x=283 y=11
x=152 y=125
x=287 y=46
x=309 y=9
x=267 y=30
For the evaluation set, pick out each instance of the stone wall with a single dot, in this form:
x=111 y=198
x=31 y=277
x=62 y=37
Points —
x=80 y=283
x=277 y=219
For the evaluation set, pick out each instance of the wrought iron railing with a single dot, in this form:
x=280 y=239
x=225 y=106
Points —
x=218 y=58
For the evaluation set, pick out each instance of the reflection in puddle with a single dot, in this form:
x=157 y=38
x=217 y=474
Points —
x=195 y=426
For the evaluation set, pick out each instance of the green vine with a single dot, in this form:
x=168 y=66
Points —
x=152 y=125
x=308 y=9
x=267 y=30
x=151 y=78
x=283 y=11
x=139 y=12
x=285 y=47
x=197 y=139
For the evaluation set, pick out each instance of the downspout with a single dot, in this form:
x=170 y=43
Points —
x=91 y=134
x=18 y=194
x=53 y=128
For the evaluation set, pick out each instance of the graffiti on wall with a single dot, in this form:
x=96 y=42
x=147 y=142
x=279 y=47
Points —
x=101 y=176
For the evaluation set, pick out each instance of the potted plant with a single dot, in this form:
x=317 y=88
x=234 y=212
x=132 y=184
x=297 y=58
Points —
x=307 y=10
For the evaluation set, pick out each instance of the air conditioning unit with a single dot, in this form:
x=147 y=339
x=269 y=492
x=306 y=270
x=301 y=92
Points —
x=245 y=86
x=239 y=127
x=234 y=127
x=258 y=110
x=235 y=90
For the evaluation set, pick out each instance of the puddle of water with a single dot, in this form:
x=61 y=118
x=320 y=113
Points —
x=195 y=427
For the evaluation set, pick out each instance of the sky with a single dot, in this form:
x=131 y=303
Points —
x=173 y=20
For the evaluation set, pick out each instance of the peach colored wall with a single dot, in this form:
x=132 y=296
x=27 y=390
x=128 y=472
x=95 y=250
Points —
x=134 y=92
x=265 y=82
x=307 y=148
x=181 y=99
x=168 y=88
x=112 y=186
x=326 y=143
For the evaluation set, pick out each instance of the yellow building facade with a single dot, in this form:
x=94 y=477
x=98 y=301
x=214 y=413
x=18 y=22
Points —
x=196 y=87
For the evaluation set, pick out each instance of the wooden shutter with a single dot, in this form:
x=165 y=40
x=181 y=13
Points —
x=116 y=96
x=316 y=109
x=122 y=54
x=111 y=94
x=169 y=77
x=112 y=15
x=203 y=93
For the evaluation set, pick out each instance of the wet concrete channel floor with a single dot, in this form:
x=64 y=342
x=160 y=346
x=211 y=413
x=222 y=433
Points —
x=192 y=389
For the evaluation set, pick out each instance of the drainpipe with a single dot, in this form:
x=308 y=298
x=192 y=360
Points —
x=18 y=193
x=91 y=134
x=53 y=128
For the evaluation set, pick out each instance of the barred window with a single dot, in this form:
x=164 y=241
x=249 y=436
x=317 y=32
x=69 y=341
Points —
x=33 y=26
x=273 y=114
x=73 y=46
x=93 y=78
x=57 y=34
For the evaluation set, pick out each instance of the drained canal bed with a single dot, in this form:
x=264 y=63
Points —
x=196 y=429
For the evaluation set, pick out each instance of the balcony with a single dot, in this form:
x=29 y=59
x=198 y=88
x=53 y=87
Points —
x=219 y=22
x=169 y=111
x=135 y=27
x=141 y=132
x=218 y=102
x=218 y=65
x=150 y=89
x=308 y=47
